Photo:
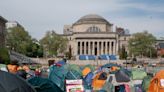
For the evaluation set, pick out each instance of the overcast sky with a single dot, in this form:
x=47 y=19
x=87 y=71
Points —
x=38 y=16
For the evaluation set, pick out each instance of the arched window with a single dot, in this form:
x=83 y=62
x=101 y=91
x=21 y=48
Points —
x=93 y=29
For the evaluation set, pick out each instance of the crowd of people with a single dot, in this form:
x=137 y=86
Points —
x=22 y=70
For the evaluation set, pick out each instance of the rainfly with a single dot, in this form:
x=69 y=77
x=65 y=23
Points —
x=12 y=83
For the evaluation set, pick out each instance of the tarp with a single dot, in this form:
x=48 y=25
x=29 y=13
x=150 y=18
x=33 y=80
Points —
x=138 y=74
x=157 y=82
x=12 y=83
x=121 y=76
x=44 y=85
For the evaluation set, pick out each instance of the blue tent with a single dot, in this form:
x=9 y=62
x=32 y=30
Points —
x=113 y=57
x=83 y=57
x=104 y=57
x=91 y=57
x=62 y=62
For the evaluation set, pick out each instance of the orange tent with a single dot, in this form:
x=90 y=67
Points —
x=98 y=82
x=86 y=71
x=157 y=82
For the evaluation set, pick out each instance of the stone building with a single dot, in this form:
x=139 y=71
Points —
x=94 y=35
x=2 y=31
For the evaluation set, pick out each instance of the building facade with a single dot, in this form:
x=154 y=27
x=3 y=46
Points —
x=2 y=31
x=94 y=35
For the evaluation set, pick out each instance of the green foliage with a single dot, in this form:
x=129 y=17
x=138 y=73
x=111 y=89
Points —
x=53 y=43
x=4 y=56
x=141 y=44
x=18 y=39
x=123 y=53
x=34 y=49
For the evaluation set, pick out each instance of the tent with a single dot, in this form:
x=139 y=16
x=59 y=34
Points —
x=121 y=76
x=90 y=66
x=104 y=57
x=62 y=62
x=58 y=74
x=44 y=85
x=3 y=67
x=157 y=82
x=87 y=81
x=12 y=83
x=87 y=57
x=85 y=71
x=99 y=80
x=146 y=83
x=138 y=74
x=113 y=57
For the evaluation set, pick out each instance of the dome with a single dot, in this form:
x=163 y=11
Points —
x=91 y=19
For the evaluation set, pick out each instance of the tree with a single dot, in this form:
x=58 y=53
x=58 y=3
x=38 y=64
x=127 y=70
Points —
x=4 y=56
x=53 y=43
x=18 y=39
x=123 y=53
x=34 y=49
x=141 y=44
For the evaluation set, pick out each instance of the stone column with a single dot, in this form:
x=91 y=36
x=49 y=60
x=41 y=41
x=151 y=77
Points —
x=117 y=47
x=89 y=51
x=110 y=49
x=84 y=47
x=98 y=48
x=80 y=48
x=114 y=48
x=106 y=46
x=102 y=47
x=93 y=48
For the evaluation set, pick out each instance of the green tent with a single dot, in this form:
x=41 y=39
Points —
x=146 y=82
x=138 y=74
x=44 y=85
x=58 y=74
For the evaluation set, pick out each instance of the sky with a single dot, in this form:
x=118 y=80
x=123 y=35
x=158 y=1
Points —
x=39 y=16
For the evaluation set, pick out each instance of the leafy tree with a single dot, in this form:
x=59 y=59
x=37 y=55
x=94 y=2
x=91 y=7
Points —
x=4 y=56
x=53 y=43
x=141 y=44
x=123 y=53
x=34 y=49
x=18 y=39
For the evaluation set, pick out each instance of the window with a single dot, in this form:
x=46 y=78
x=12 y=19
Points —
x=93 y=29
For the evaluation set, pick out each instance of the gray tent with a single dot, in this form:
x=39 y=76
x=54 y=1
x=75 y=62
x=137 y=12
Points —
x=121 y=76
x=12 y=83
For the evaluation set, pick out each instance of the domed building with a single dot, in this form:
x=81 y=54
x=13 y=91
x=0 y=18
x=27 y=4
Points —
x=94 y=35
